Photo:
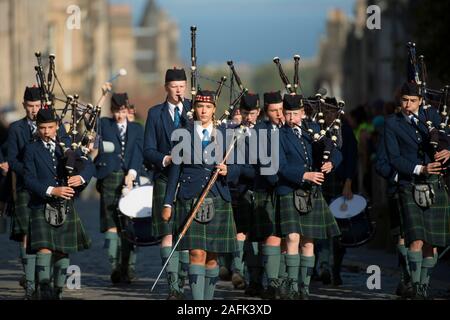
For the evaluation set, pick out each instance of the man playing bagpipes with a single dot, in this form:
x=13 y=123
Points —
x=114 y=171
x=213 y=230
x=304 y=214
x=387 y=171
x=55 y=229
x=21 y=133
x=424 y=201
x=162 y=120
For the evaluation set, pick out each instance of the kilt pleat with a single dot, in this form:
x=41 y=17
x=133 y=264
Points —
x=160 y=227
x=20 y=219
x=110 y=193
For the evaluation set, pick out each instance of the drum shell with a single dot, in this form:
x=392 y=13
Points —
x=357 y=230
x=138 y=231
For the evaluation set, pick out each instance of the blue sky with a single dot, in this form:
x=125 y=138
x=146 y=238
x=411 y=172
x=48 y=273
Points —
x=248 y=31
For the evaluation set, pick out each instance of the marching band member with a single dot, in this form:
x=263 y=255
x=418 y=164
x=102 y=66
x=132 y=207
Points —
x=264 y=220
x=338 y=183
x=55 y=229
x=114 y=170
x=21 y=133
x=385 y=170
x=303 y=213
x=424 y=202
x=244 y=210
x=215 y=232
x=162 y=120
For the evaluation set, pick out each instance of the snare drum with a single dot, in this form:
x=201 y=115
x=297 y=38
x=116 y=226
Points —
x=353 y=220
x=136 y=216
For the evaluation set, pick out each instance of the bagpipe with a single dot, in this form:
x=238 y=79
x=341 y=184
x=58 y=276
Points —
x=84 y=117
x=431 y=98
x=325 y=112
x=195 y=87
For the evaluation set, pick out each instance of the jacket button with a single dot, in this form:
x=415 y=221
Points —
x=203 y=186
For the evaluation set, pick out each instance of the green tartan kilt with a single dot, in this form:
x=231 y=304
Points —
x=264 y=218
x=242 y=205
x=21 y=217
x=218 y=235
x=317 y=224
x=160 y=228
x=68 y=238
x=430 y=225
x=110 y=193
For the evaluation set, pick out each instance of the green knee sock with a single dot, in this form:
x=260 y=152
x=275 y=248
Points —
x=172 y=267
x=211 y=277
x=282 y=272
x=197 y=281
x=427 y=266
x=60 y=272
x=237 y=263
x=112 y=244
x=30 y=267
x=306 y=270
x=293 y=266
x=43 y=261
x=183 y=269
x=403 y=261
x=272 y=263
x=415 y=265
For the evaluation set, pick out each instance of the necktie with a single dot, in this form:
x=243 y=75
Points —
x=51 y=149
x=205 y=140
x=33 y=128
x=177 y=117
x=122 y=132
x=297 y=132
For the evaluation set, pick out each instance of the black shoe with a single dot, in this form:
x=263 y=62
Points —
x=30 y=291
x=420 y=292
x=291 y=292
x=116 y=276
x=224 y=274
x=404 y=290
x=58 y=293
x=45 y=291
x=303 y=293
x=271 y=293
x=23 y=281
x=254 y=289
x=175 y=295
x=238 y=281
x=325 y=275
x=337 y=280
x=283 y=289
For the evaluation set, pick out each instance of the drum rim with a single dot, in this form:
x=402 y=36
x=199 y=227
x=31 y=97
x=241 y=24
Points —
x=355 y=196
x=122 y=199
